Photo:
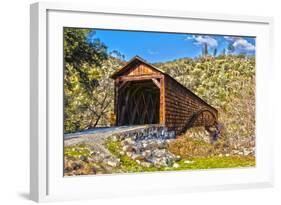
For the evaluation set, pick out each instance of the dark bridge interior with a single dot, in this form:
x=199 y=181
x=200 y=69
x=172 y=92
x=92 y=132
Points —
x=138 y=103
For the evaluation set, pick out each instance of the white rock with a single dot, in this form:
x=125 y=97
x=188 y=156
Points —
x=137 y=157
x=176 y=165
x=177 y=158
x=129 y=141
x=144 y=145
x=112 y=163
x=127 y=148
x=129 y=154
x=159 y=152
x=146 y=153
x=161 y=162
x=235 y=152
x=123 y=143
x=114 y=138
x=146 y=164
x=188 y=162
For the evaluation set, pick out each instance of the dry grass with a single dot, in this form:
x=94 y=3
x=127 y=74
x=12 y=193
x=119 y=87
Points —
x=187 y=147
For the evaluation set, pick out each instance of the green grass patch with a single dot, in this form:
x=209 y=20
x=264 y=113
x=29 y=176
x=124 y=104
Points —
x=217 y=162
x=76 y=151
x=113 y=146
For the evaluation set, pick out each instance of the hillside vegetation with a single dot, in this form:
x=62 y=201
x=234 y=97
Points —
x=228 y=84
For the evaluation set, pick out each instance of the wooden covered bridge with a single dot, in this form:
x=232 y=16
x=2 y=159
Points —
x=146 y=95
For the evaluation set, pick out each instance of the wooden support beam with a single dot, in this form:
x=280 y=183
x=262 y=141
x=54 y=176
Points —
x=162 y=107
x=123 y=83
x=156 y=82
x=139 y=77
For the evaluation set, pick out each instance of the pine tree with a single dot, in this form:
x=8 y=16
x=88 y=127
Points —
x=223 y=52
x=205 y=50
x=215 y=52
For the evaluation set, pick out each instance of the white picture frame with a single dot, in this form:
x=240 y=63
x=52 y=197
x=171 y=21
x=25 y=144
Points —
x=46 y=180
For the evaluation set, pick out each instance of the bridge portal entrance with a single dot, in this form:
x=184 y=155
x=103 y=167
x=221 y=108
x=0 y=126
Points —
x=138 y=103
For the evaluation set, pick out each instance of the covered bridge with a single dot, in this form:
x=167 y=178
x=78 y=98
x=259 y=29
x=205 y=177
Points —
x=146 y=95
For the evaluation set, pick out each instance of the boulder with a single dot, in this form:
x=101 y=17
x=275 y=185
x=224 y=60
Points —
x=177 y=158
x=146 y=153
x=114 y=138
x=84 y=158
x=176 y=165
x=159 y=153
x=112 y=162
x=137 y=157
x=162 y=162
x=129 y=154
x=76 y=166
x=246 y=152
x=127 y=148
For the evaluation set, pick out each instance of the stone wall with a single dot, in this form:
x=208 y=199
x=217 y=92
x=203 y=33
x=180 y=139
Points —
x=147 y=132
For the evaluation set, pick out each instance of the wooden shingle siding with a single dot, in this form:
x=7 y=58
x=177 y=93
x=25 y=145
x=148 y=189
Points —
x=180 y=105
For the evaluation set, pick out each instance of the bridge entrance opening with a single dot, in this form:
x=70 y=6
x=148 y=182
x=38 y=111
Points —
x=138 y=103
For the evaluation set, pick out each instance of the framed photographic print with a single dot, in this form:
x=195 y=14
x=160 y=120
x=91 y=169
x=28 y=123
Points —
x=127 y=102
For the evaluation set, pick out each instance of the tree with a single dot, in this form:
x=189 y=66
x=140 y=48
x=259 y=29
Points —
x=223 y=52
x=81 y=54
x=205 y=50
x=86 y=94
x=118 y=55
x=215 y=52
x=230 y=48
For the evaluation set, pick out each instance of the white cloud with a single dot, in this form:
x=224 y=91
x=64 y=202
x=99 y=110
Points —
x=240 y=43
x=201 y=40
x=231 y=38
x=189 y=37
x=244 y=45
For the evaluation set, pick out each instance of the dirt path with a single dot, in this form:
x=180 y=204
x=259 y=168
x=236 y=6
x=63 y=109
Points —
x=99 y=135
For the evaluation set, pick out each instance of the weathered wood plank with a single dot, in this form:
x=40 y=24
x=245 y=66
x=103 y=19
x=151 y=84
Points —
x=139 y=77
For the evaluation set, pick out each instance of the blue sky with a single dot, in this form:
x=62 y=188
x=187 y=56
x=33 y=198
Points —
x=160 y=47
